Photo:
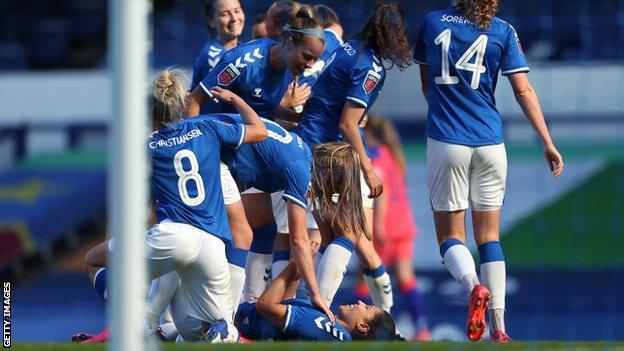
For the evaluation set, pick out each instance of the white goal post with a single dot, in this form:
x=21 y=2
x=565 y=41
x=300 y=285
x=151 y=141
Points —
x=128 y=172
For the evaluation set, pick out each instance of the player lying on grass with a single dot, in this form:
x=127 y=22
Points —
x=276 y=317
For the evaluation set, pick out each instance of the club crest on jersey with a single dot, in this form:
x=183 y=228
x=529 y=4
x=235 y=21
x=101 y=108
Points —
x=372 y=78
x=257 y=93
x=227 y=75
x=519 y=43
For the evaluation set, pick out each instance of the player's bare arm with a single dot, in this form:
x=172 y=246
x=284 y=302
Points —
x=300 y=251
x=269 y=305
x=527 y=99
x=349 y=127
x=256 y=130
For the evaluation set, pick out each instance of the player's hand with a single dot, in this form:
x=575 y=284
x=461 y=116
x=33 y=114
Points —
x=554 y=160
x=314 y=248
x=363 y=121
x=223 y=94
x=302 y=94
x=292 y=263
x=299 y=97
x=318 y=301
x=374 y=183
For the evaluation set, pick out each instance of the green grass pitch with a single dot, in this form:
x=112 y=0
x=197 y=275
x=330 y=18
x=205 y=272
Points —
x=353 y=346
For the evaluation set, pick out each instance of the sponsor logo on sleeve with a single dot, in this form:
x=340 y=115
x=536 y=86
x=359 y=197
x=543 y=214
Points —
x=371 y=81
x=228 y=74
x=519 y=44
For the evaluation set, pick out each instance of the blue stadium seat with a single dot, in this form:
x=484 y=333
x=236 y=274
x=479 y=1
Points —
x=13 y=56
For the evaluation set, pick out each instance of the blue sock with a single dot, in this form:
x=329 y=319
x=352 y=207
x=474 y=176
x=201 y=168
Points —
x=493 y=275
x=99 y=283
x=375 y=273
x=280 y=261
x=236 y=256
x=414 y=304
x=264 y=238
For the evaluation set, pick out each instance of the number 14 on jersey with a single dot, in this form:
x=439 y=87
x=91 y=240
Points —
x=477 y=50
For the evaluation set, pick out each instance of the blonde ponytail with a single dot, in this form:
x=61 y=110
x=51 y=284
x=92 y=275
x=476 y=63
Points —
x=169 y=96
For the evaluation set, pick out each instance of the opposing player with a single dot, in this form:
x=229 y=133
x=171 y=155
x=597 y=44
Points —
x=227 y=19
x=394 y=228
x=343 y=93
x=461 y=50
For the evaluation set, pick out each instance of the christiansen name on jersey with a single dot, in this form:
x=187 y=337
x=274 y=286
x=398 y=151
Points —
x=463 y=63
x=246 y=70
x=185 y=176
x=353 y=73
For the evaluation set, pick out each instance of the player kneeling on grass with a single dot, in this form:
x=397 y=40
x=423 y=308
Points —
x=275 y=317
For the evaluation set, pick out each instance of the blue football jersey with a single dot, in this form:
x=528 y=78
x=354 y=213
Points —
x=280 y=162
x=332 y=42
x=207 y=59
x=185 y=180
x=352 y=73
x=246 y=70
x=303 y=322
x=463 y=63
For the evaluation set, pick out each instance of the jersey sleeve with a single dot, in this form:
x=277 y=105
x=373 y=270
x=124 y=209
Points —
x=297 y=180
x=225 y=74
x=306 y=323
x=364 y=80
x=226 y=133
x=419 y=49
x=513 y=60
x=198 y=69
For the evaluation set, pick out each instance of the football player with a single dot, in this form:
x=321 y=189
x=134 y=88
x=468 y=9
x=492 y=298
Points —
x=227 y=19
x=461 y=50
x=345 y=90
x=275 y=316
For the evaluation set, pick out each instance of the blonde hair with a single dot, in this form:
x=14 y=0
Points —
x=336 y=171
x=387 y=134
x=479 y=12
x=168 y=96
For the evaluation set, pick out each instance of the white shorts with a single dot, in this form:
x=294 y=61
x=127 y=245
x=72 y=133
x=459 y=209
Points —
x=280 y=211
x=228 y=186
x=457 y=173
x=199 y=259
x=253 y=191
x=366 y=201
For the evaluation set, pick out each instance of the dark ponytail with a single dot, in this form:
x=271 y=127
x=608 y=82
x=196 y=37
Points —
x=325 y=15
x=386 y=32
